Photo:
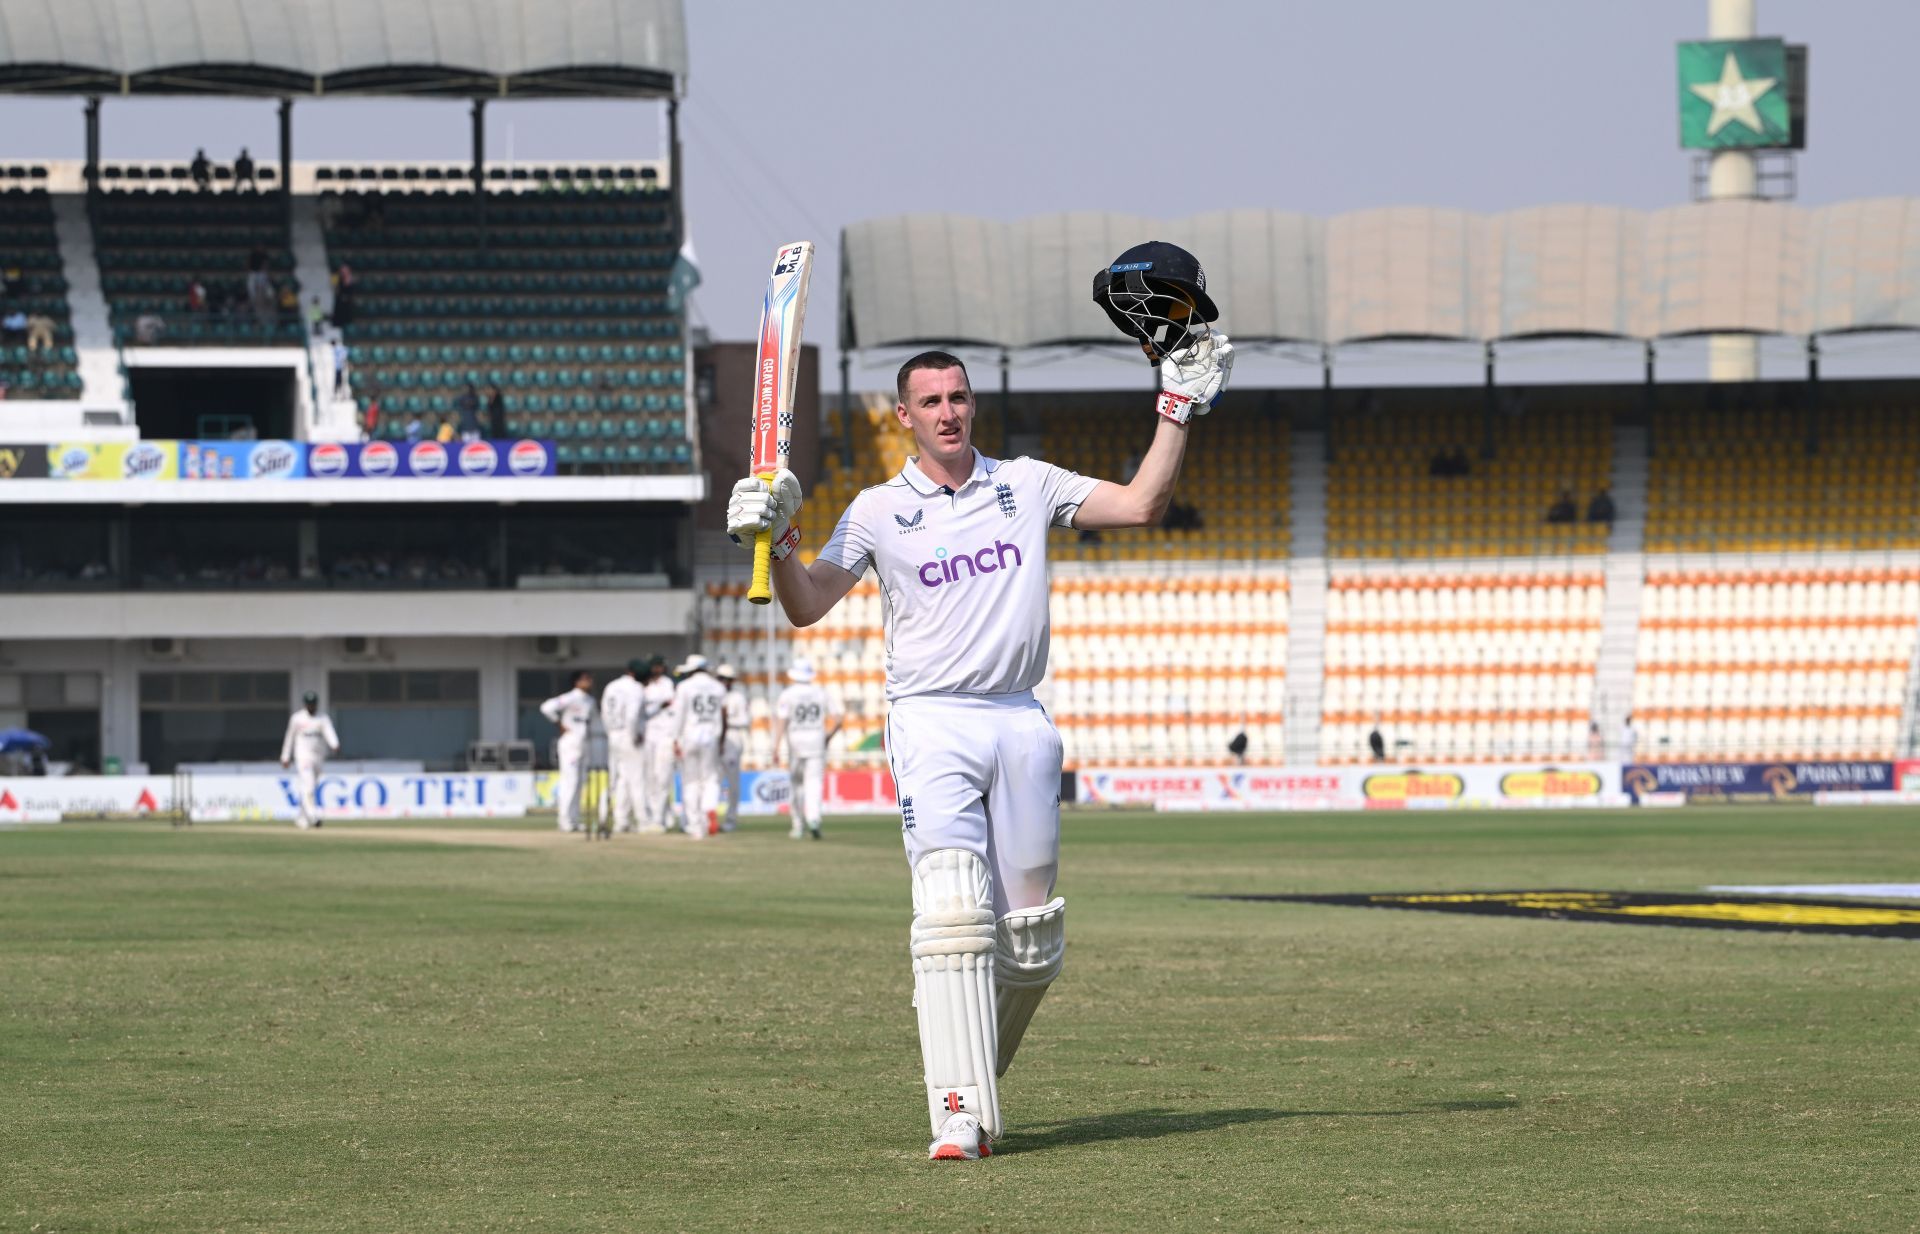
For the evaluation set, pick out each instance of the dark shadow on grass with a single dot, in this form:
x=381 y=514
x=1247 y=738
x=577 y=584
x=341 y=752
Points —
x=1153 y=1124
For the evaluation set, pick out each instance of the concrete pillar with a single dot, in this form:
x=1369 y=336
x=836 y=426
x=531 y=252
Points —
x=1731 y=176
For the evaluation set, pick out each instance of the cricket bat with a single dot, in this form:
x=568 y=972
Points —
x=775 y=369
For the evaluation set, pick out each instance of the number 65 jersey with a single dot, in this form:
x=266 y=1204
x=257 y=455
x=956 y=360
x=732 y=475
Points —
x=963 y=574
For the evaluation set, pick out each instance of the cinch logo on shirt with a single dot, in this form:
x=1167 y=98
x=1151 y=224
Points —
x=947 y=568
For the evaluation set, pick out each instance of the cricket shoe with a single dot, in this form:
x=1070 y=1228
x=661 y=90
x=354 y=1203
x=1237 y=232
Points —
x=797 y=833
x=961 y=1138
x=814 y=832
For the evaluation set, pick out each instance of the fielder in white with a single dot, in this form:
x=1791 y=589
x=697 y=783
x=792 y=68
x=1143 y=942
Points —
x=958 y=542
x=310 y=739
x=573 y=713
x=622 y=715
x=700 y=726
x=657 y=724
x=806 y=718
x=733 y=746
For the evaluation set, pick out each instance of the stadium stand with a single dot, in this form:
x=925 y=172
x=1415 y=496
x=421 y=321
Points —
x=561 y=302
x=30 y=261
x=1466 y=667
x=1749 y=664
x=1384 y=500
x=1744 y=479
x=151 y=243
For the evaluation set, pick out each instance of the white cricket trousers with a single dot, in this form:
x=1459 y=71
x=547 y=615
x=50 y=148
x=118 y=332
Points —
x=806 y=781
x=306 y=778
x=656 y=784
x=699 y=781
x=566 y=794
x=730 y=752
x=981 y=772
x=627 y=771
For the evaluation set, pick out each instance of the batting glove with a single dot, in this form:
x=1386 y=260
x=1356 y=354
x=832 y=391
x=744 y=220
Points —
x=755 y=508
x=1192 y=378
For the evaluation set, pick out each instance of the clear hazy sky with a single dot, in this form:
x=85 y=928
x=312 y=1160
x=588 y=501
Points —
x=804 y=117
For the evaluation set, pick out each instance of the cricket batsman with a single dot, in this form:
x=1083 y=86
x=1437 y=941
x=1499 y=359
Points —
x=806 y=718
x=700 y=727
x=572 y=712
x=620 y=715
x=310 y=739
x=958 y=542
x=733 y=747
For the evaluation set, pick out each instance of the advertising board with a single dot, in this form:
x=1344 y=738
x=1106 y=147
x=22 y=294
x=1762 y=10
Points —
x=1755 y=782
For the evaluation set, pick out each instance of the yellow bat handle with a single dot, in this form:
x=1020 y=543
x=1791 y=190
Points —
x=762 y=590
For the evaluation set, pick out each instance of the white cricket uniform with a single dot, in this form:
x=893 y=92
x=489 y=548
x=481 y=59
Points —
x=573 y=710
x=658 y=721
x=732 y=747
x=620 y=715
x=310 y=738
x=699 y=703
x=807 y=712
x=963 y=588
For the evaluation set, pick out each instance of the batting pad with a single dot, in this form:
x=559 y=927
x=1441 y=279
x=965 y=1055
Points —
x=1029 y=950
x=953 y=943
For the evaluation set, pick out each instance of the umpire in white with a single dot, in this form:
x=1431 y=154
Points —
x=958 y=542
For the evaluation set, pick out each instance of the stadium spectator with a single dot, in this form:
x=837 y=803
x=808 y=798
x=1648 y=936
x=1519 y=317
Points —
x=342 y=296
x=316 y=318
x=196 y=294
x=289 y=301
x=342 y=367
x=444 y=433
x=370 y=418
x=13 y=283
x=1562 y=511
x=496 y=412
x=243 y=170
x=13 y=326
x=201 y=170
x=1238 y=747
x=149 y=328
x=1596 y=744
x=327 y=210
x=1377 y=742
x=415 y=429
x=260 y=296
x=1629 y=739
x=1600 y=509
x=39 y=332
x=466 y=406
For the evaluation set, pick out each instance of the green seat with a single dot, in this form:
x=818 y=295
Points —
x=589 y=452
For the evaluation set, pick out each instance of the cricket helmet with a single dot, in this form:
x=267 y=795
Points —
x=1155 y=292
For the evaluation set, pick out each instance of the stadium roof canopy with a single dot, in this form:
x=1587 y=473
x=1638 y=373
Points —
x=1417 y=273
x=444 y=48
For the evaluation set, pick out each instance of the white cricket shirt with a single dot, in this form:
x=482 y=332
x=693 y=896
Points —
x=310 y=738
x=963 y=574
x=656 y=708
x=739 y=719
x=699 y=702
x=807 y=711
x=575 y=710
x=620 y=710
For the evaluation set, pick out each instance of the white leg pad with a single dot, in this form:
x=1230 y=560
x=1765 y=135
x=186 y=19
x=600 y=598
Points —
x=1030 y=948
x=953 y=943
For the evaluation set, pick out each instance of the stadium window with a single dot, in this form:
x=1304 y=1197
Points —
x=196 y=717
x=62 y=707
x=429 y=716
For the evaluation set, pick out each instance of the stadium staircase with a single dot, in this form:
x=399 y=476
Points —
x=1626 y=573
x=102 y=383
x=1307 y=620
x=334 y=418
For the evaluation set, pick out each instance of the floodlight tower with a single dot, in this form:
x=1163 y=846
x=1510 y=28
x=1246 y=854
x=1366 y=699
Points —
x=1731 y=173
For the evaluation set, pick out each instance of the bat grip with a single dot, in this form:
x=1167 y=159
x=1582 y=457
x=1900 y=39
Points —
x=761 y=592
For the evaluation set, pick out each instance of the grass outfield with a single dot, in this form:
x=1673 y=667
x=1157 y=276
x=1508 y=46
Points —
x=494 y=1027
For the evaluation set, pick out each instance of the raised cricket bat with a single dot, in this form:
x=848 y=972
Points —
x=774 y=372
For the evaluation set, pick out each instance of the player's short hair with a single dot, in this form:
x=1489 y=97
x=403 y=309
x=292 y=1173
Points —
x=935 y=360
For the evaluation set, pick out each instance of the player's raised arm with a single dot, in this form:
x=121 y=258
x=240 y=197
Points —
x=1191 y=380
x=806 y=592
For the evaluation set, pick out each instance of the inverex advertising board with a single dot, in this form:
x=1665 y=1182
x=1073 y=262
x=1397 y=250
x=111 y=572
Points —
x=1372 y=787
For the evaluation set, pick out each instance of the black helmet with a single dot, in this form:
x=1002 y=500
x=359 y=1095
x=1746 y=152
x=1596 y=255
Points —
x=1155 y=292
